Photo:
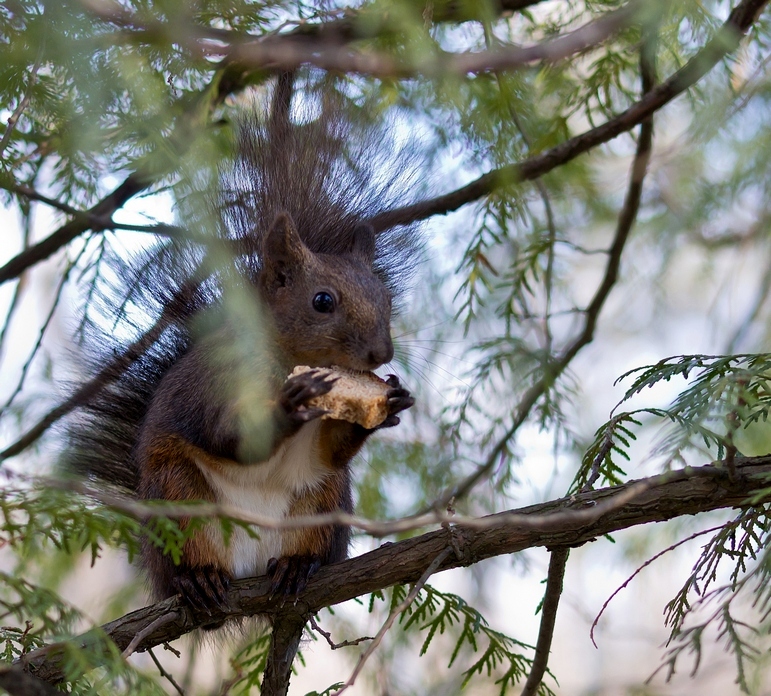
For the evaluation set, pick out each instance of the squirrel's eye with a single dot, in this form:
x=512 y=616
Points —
x=324 y=302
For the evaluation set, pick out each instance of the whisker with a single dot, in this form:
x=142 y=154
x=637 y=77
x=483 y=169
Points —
x=448 y=355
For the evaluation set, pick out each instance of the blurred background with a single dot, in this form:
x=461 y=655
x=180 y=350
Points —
x=97 y=91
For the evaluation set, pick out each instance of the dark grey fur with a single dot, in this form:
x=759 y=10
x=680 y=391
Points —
x=330 y=174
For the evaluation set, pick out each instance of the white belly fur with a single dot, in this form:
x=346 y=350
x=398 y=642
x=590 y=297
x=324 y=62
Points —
x=268 y=489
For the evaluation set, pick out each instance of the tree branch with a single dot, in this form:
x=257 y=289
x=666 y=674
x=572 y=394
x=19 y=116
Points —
x=351 y=25
x=626 y=220
x=104 y=209
x=94 y=222
x=284 y=53
x=569 y=522
x=724 y=42
x=108 y=374
x=551 y=600
x=230 y=79
x=17 y=682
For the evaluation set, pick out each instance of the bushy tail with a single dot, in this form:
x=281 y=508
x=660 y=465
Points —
x=103 y=432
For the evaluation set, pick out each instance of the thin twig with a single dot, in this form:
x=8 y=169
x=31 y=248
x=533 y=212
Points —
x=409 y=599
x=143 y=510
x=105 y=376
x=328 y=637
x=165 y=674
x=640 y=569
x=132 y=185
x=760 y=300
x=34 y=195
x=95 y=222
x=551 y=598
x=41 y=334
x=147 y=630
x=21 y=284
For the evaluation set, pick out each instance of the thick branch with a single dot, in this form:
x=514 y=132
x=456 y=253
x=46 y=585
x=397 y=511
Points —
x=724 y=42
x=350 y=25
x=569 y=521
x=284 y=641
x=17 y=682
x=366 y=24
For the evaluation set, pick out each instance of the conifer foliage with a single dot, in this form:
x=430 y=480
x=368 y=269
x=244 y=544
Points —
x=591 y=177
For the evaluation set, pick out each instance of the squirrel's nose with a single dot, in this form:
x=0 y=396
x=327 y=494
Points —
x=381 y=354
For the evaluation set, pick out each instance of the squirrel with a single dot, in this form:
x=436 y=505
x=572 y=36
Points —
x=177 y=423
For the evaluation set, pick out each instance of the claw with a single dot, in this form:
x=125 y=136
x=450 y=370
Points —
x=204 y=588
x=278 y=574
x=290 y=574
x=300 y=389
x=399 y=399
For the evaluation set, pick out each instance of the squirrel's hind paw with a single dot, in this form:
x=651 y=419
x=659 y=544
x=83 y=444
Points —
x=204 y=588
x=289 y=575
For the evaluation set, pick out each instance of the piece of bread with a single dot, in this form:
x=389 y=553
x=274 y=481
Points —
x=356 y=397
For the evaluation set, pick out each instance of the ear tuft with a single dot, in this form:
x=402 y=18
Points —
x=282 y=243
x=363 y=247
x=283 y=252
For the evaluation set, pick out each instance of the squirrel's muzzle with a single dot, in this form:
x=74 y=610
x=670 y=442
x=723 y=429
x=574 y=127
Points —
x=381 y=354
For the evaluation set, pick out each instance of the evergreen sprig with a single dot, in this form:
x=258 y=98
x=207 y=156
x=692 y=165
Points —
x=438 y=613
x=722 y=394
x=703 y=601
x=249 y=664
x=30 y=517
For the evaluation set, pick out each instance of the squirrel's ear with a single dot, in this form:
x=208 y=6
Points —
x=282 y=250
x=363 y=246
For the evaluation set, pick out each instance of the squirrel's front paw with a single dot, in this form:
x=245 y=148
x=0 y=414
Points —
x=399 y=399
x=299 y=389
